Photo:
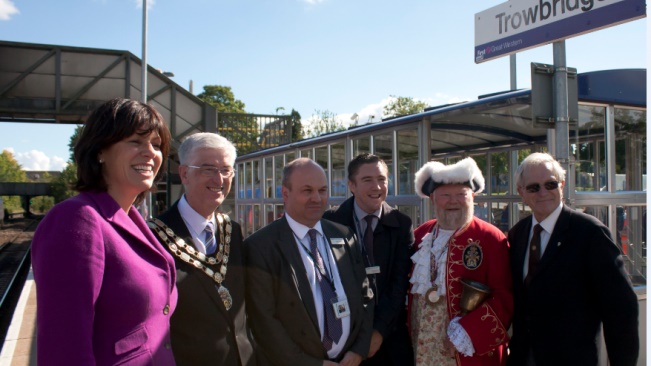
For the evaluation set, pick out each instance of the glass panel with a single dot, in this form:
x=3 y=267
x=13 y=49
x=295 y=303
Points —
x=307 y=153
x=361 y=145
x=408 y=163
x=630 y=149
x=383 y=145
x=257 y=175
x=280 y=211
x=338 y=160
x=412 y=211
x=321 y=157
x=269 y=176
x=586 y=146
x=289 y=156
x=483 y=166
x=278 y=167
x=500 y=173
x=247 y=220
x=257 y=223
x=600 y=212
x=501 y=215
x=268 y=214
x=247 y=179
x=633 y=235
x=483 y=211
x=240 y=180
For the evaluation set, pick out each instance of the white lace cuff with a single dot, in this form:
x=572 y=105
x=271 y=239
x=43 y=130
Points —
x=460 y=338
x=421 y=279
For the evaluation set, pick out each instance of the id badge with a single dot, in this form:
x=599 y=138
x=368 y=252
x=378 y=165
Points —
x=373 y=270
x=341 y=307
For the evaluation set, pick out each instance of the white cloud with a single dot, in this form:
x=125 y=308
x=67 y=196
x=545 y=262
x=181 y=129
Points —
x=38 y=160
x=7 y=9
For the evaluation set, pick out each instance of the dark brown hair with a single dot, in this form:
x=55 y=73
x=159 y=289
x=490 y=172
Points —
x=361 y=159
x=108 y=124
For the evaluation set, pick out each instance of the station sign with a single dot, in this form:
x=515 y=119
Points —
x=518 y=25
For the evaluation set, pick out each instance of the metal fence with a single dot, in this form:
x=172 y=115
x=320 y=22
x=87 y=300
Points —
x=254 y=132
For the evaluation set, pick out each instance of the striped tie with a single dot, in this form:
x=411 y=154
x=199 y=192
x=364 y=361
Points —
x=209 y=240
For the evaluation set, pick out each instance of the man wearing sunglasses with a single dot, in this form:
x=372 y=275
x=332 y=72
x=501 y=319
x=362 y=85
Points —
x=208 y=326
x=568 y=279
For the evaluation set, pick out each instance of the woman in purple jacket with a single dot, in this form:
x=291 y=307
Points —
x=104 y=284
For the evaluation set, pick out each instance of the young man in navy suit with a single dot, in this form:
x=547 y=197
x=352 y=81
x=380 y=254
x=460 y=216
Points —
x=390 y=237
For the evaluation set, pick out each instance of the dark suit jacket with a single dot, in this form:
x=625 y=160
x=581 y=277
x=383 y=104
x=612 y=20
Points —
x=393 y=238
x=580 y=283
x=279 y=297
x=203 y=331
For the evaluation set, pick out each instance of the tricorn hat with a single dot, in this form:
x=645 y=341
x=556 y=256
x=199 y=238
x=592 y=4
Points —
x=434 y=174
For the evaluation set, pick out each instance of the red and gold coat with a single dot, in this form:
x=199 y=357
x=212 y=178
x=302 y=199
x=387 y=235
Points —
x=478 y=252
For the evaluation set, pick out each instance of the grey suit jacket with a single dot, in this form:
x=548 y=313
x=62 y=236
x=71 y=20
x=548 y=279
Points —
x=279 y=298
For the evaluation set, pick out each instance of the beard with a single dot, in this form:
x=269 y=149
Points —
x=452 y=220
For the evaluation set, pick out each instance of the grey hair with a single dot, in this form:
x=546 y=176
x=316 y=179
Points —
x=538 y=159
x=205 y=140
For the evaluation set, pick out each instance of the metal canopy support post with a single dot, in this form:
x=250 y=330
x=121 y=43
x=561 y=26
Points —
x=561 y=115
x=146 y=206
x=513 y=71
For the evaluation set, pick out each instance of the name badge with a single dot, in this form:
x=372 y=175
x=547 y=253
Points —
x=373 y=270
x=341 y=307
x=337 y=241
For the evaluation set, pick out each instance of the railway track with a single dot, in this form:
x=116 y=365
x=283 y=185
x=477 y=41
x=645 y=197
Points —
x=15 y=245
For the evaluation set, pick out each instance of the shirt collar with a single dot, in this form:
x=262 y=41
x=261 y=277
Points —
x=550 y=221
x=361 y=214
x=192 y=218
x=301 y=230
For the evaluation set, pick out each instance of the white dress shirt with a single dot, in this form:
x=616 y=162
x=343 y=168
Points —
x=195 y=223
x=548 y=226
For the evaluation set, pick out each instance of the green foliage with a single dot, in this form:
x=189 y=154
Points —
x=62 y=186
x=222 y=98
x=323 y=122
x=73 y=141
x=11 y=171
x=297 y=127
x=400 y=106
x=41 y=204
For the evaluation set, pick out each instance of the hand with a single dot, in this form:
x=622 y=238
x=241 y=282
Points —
x=376 y=342
x=351 y=359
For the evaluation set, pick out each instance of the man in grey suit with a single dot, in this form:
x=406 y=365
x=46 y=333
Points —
x=569 y=279
x=209 y=324
x=309 y=301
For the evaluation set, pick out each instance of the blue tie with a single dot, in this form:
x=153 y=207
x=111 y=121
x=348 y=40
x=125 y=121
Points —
x=209 y=240
x=333 y=328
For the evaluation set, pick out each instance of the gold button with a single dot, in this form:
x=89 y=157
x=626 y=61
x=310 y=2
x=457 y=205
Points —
x=166 y=309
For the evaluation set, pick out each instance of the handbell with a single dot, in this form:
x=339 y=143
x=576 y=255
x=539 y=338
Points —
x=473 y=294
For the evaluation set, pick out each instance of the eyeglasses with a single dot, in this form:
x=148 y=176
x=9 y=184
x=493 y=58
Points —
x=211 y=171
x=533 y=188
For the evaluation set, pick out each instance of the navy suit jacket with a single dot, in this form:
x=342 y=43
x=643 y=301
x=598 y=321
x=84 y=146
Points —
x=580 y=284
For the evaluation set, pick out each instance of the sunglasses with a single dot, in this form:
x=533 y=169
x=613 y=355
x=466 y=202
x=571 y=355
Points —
x=533 y=188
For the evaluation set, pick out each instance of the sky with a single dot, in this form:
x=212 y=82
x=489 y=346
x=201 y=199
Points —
x=340 y=56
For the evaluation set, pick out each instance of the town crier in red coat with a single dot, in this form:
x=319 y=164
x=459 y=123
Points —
x=454 y=248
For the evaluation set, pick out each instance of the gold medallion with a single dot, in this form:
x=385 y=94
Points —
x=226 y=297
x=432 y=295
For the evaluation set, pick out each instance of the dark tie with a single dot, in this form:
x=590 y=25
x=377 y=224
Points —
x=333 y=328
x=368 y=239
x=209 y=239
x=534 y=253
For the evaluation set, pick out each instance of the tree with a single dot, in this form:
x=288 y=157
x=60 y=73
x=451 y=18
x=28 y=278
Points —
x=297 y=127
x=400 y=106
x=323 y=122
x=222 y=98
x=11 y=171
x=73 y=141
x=62 y=186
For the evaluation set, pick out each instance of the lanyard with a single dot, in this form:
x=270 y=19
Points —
x=326 y=273
x=360 y=233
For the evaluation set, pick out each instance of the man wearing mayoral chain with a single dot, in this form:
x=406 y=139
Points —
x=209 y=324
x=456 y=252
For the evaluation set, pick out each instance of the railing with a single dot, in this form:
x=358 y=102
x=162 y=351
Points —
x=254 y=132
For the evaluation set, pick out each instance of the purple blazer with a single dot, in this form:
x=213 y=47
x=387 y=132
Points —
x=105 y=287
